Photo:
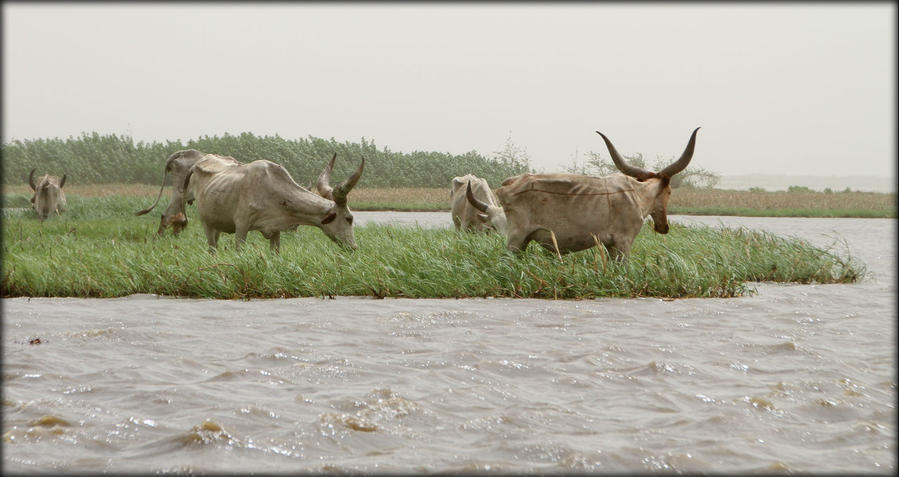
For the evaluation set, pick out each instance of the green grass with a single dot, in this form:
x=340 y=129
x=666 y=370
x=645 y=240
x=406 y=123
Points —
x=94 y=158
x=101 y=250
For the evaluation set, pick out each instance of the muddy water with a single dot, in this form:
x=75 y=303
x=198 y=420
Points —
x=795 y=378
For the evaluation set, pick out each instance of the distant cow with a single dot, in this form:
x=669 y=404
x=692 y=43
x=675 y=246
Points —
x=177 y=166
x=480 y=212
x=235 y=198
x=48 y=194
x=581 y=211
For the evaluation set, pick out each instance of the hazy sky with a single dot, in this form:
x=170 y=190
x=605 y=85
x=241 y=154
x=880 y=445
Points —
x=777 y=88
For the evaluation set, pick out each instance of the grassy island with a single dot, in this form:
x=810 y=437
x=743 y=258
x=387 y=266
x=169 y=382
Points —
x=99 y=249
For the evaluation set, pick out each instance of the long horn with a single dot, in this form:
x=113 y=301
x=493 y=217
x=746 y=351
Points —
x=344 y=189
x=142 y=212
x=31 y=180
x=186 y=181
x=474 y=200
x=624 y=167
x=681 y=163
x=62 y=181
x=165 y=172
x=323 y=183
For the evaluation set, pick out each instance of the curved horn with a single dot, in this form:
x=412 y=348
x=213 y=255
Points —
x=165 y=171
x=31 y=180
x=62 y=181
x=343 y=189
x=681 y=163
x=186 y=181
x=323 y=183
x=474 y=200
x=624 y=167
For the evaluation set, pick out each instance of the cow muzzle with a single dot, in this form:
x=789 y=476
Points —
x=177 y=221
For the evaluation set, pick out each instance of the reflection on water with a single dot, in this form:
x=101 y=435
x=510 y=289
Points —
x=795 y=378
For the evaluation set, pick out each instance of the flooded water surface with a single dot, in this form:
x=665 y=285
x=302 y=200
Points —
x=797 y=378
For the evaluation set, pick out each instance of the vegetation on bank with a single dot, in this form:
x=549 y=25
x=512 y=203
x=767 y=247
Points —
x=103 y=165
x=98 y=249
x=110 y=159
x=801 y=202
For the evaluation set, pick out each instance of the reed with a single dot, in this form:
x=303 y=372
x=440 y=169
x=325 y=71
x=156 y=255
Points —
x=97 y=251
x=93 y=158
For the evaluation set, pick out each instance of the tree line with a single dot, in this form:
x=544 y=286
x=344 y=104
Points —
x=95 y=158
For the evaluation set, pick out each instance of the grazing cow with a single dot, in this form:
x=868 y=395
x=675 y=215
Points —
x=474 y=206
x=177 y=165
x=570 y=212
x=48 y=195
x=235 y=198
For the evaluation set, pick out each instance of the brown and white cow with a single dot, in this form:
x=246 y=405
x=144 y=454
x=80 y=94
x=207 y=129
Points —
x=48 y=194
x=575 y=212
x=236 y=198
x=177 y=165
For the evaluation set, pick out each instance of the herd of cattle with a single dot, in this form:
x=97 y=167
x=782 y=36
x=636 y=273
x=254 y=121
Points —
x=562 y=212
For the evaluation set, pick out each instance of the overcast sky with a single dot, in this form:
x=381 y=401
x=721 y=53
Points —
x=778 y=89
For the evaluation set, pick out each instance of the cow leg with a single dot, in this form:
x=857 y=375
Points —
x=240 y=235
x=518 y=242
x=274 y=239
x=614 y=252
x=619 y=250
x=212 y=237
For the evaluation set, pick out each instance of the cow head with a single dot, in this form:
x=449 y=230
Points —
x=658 y=209
x=177 y=221
x=338 y=223
x=177 y=165
x=48 y=195
x=490 y=215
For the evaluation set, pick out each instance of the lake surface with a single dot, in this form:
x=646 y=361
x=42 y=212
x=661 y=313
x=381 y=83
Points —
x=795 y=378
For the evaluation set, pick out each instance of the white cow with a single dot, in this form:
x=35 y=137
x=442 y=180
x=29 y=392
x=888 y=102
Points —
x=48 y=194
x=178 y=164
x=235 y=198
x=474 y=206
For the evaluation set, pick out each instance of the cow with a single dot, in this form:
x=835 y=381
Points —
x=571 y=212
x=177 y=165
x=48 y=195
x=475 y=206
x=236 y=198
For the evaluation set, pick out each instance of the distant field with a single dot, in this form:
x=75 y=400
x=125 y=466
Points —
x=782 y=203
x=683 y=201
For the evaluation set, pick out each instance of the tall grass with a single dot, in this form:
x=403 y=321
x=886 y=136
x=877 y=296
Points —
x=103 y=159
x=102 y=252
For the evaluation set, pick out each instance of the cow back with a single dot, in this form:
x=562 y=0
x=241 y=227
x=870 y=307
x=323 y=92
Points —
x=573 y=206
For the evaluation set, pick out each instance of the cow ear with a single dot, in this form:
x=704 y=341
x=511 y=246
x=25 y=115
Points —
x=330 y=218
x=483 y=217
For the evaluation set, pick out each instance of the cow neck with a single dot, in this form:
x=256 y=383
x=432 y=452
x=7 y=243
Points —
x=647 y=191
x=312 y=208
